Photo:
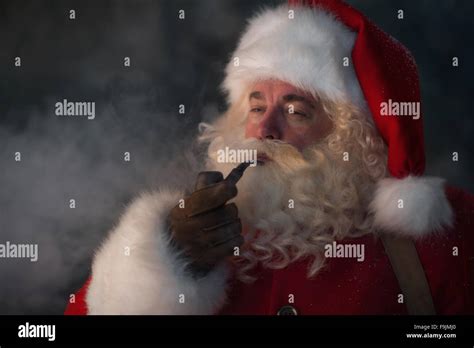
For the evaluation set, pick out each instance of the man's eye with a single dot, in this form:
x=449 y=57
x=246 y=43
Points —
x=299 y=114
x=257 y=109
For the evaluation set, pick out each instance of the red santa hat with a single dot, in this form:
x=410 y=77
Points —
x=307 y=44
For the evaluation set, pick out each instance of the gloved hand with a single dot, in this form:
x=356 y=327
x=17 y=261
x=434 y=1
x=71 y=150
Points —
x=207 y=229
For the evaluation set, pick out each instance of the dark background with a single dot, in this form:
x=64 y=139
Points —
x=172 y=62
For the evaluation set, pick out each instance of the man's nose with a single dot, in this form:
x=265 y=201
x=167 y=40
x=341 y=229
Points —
x=269 y=127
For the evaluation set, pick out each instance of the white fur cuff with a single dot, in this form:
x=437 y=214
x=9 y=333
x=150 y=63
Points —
x=136 y=272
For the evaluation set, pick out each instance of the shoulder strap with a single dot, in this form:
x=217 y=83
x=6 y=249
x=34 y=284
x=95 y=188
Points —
x=410 y=274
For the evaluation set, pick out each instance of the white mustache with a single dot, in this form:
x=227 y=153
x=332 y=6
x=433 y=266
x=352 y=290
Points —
x=281 y=154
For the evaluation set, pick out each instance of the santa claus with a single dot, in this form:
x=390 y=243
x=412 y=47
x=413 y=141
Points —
x=335 y=218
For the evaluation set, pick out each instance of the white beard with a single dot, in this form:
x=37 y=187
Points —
x=294 y=205
x=264 y=191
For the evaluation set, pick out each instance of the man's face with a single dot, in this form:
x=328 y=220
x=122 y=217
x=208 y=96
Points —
x=280 y=111
x=306 y=167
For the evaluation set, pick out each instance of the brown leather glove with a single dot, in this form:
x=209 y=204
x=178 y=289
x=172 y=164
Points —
x=207 y=229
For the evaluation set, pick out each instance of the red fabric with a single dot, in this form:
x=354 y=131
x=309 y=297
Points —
x=79 y=306
x=385 y=70
x=346 y=286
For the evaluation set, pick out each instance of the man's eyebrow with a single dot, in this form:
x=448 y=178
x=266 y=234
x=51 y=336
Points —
x=296 y=97
x=256 y=95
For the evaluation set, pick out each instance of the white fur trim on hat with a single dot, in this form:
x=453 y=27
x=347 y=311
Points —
x=306 y=50
x=412 y=206
x=137 y=272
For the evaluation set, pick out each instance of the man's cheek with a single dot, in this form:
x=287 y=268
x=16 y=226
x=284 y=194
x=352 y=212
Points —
x=250 y=129
x=296 y=136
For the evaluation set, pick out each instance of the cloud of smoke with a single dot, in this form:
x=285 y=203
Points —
x=71 y=157
x=63 y=159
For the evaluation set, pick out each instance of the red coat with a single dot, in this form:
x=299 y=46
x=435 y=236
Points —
x=346 y=286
